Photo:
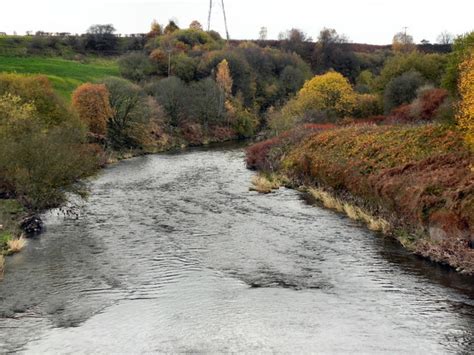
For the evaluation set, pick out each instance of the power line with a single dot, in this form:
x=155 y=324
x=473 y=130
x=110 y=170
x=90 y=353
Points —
x=225 y=18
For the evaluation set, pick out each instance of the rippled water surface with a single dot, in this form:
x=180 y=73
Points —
x=172 y=253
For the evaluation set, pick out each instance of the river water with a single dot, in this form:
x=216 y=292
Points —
x=172 y=253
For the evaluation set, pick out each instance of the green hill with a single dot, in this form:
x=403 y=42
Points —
x=65 y=75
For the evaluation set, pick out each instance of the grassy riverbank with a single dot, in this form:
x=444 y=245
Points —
x=419 y=179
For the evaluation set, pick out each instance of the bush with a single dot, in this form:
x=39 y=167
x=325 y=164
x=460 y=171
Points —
x=135 y=66
x=91 y=101
x=366 y=105
x=170 y=93
x=465 y=115
x=50 y=108
x=41 y=164
x=128 y=126
x=461 y=50
x=402 y=90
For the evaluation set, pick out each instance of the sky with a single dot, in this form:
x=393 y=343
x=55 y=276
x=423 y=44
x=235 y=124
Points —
x=363 y=21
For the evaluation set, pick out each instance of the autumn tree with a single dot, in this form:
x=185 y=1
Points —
x=91 y=101
x=171 y=27
x=155 y=30
x=195 y=25
x=465 y=115
x=403 y=42
x=224 y=83
x=327 y=92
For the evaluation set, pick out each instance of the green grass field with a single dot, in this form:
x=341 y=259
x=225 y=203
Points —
x=65 y=75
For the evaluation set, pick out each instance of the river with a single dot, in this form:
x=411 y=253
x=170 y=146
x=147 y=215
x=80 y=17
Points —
x=172 y=253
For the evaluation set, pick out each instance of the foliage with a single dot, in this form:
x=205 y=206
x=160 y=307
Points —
x=430 y=66
x=403 y=42
x=329 y=92
x=65 y=75
x=465 y=115
x=223 y=78
x=37 y=89
x=91 y=102
x=184 y=67
x=128 y=125
x=40 y=162
x=170 y=93
x=101 y=38
x=135 y=66
x=462 y=47
x=328 y=55
x=402 y=90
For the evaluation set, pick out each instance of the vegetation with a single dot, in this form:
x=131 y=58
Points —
x=65 y=75
x=408 y=172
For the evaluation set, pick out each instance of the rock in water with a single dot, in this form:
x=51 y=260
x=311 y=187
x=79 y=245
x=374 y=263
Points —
x=31 y=225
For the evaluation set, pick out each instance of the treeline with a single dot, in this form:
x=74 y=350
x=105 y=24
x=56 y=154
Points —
x=394 y=149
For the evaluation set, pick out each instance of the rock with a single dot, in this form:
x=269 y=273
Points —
x=31 y=225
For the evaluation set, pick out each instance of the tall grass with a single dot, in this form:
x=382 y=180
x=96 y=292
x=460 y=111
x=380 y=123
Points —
x=352 y=211
x=16 y=245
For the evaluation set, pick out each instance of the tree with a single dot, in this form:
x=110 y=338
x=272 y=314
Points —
x=127 y=127
x=155 y=30
x=327 y=92
x=41 y=163
x=403 y=42
x=91 y=102
x=171 y=27
x=135 y=66
x=51 y=109
x=445 y=38
x=223 y=78
x=171 y=94
x=101 y=38
x=461 y=50
x=330 y=54
x=195 y=25
x=224 y=83
x=263 y=34
x=402 y=90
x=465 y=115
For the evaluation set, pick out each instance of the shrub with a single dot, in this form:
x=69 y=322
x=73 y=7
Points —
x=429 y=66
x=40 y=164
x=170 y=93
x=461 y=50
x=91 y=101
x=366 y=105
x=37 y=89
x=328 y=92
x=184 y=67
x=465 y=115
x=128 y=126
x=402 y=90
x=135 y=66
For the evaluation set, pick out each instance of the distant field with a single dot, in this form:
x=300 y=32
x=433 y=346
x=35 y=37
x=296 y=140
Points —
x=65 y=75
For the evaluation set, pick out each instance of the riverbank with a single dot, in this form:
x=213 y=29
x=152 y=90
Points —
x=18 y=223
x=418 y=179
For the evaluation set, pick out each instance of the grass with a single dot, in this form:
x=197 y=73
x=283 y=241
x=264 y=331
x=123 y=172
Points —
x=65 y=75
x=353 y=212
x=16 y=245
x=264 y=184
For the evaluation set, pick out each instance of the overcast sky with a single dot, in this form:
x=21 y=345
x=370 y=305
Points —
x=364 y=21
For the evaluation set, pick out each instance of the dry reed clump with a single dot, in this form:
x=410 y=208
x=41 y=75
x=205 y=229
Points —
x=16 y=245
x=263 y=184
x=2 y=264
x=353 y=212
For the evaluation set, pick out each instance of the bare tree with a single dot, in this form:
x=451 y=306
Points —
x=445 y=38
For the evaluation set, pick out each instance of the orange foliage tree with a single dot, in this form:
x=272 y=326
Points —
x=92 y=104
x=465 y=116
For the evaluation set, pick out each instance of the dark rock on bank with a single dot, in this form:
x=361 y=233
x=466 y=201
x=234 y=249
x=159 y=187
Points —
x=31 y=225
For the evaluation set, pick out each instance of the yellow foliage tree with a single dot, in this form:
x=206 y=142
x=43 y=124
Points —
x=223 y=78
x=465 y=115
x=327 y=92
x=91 y=101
